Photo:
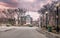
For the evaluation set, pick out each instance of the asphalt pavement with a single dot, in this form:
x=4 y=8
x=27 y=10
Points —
x=22 y=32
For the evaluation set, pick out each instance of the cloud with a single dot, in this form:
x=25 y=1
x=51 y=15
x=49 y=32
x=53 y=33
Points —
x=9 y=3
x=28 y=0
x=32 y=5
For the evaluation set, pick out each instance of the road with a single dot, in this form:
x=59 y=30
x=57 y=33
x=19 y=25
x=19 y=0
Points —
x=22 y=32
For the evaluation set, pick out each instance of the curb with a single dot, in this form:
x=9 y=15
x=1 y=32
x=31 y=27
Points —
x=48 y=34
x=6 y=30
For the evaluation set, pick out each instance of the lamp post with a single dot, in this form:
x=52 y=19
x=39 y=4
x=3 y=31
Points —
x=41 y=21
x=46 y=19
x=57 y=17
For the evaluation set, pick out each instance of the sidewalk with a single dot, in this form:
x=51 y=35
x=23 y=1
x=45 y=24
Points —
x=48 y=34
x=4 y=28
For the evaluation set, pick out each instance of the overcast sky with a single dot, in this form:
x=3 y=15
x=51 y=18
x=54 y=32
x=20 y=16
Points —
x=32 y=5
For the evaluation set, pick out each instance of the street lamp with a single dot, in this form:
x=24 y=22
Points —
x=41 y=20
x=46 y=19
x=57 y=17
